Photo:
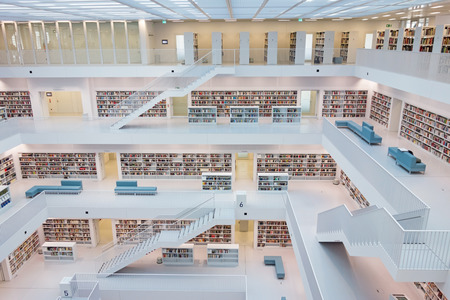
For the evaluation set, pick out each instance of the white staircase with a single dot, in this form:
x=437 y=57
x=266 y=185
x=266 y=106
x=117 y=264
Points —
x=148 y=240
x=409 y=255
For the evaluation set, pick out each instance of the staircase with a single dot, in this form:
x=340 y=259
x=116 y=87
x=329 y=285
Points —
x=150 y=239
x=172 y=84
x=409 y=255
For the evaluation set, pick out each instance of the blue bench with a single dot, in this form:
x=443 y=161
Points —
x=66 y=187
x=406 y=160
x=276 y=261
x=130 y=187
x=365 y=131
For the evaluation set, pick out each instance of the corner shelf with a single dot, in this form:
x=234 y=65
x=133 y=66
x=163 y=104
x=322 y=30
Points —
x=7 y=170
x=286 y=115
x=344 y=104
x=223 y=255
x=5 y=196
x=80 y=231
x=59 y=251
x=16 y=103
x=216 y=181
x=244 y=114
x=108 y=104
x=272 y=234
x=427 y=130
x=353 y=190
x=273 y=181
x=202 y=115
x=181 y=255
x=380 y=108
x=298 y=166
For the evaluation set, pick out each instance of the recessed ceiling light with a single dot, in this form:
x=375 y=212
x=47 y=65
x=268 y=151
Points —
x=374 y=18
x=310 y=20
x=365 y=19
x=416 y=10
x=439 y=6
x=434 y=13
x=400 y=13
x=257 y=20
x=392 y=19
x=283 y=20
x=385 y=16
x=404 y=18
x=204 y=20
x=230 y=20
x=337 y=19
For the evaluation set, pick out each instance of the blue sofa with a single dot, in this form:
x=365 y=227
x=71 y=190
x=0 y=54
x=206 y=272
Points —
x=276 y=261
x=406 y=160
x=365 y=131
x=66 y=187
x=130 y=187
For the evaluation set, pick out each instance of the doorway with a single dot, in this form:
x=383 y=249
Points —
x=105 y=231
x=244 y=166
x=179 y=39
x=396 y=115
x=110 y=165
x=244 y=232
x=308 y=101
x=308 y=46
x=180 y=106
x=368 y=41
x=62 y=103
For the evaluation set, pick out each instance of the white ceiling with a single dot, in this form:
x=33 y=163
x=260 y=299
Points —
x=30 y=10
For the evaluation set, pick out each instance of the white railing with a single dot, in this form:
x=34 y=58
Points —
x=85 y=290
x=407 y=249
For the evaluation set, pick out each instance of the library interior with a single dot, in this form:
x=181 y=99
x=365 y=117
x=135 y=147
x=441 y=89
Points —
x=195 y=149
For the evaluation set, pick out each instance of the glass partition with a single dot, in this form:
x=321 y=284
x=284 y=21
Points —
x=51 y=37
x=3 y=52
x=120 y=41
x=93 y=43
x=107 y=42
x=25 y=43
x=79 y=40
x=133 y=42
x=11 y=39
x=65 y=38
x=39 y=43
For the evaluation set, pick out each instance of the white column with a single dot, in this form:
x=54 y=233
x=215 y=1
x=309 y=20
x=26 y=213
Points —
x=143 y=34
x=417 y=39
x=216 y=46
x=244 y=48
x=300 y=45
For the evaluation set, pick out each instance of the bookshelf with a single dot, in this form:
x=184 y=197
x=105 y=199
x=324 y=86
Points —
x=226 y=255
x=272 y=234
x=3 y=114
x=270 y=47
x=380 y=108
x=427 y=41
x=393 y=39
x=427 y=130
x=347 y=104
x=5 y=196
x=446 y=40
x=273 y=181
x=59 y=251
x=353 y=190
x=408 y=39
x=244 y=114
x=173 y=165
x=80 y=231
x=265 y=100
x=216 y=181
x=217 y=47
x=16 y=259
x=286 y=114
x=431 y=291
x=345 y=40
x=58 y=165
x=182 y=255
x=297 y=42
x=190 y=47
x=108 y=104
x=202 y=115
x=319 y=47
x=379 y=41
x=297 y=165
x=7 y=170
x=16 y=103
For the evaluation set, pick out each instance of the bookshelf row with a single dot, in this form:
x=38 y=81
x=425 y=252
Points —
x=181 y=255
x=217 y=255
x=5 y=196
x=345 y=103
x=202 y=115
x=3 y=114
x=430 y=291
x=272 y=234
x=116 y=103
x=223 y=100
x=273 y=181
x=58 y=165
x=216 y=181
x=16 y=103
x=59 y=251
x=353 y=190
x=7 y=170
x=16 y=259
x=244 y=114
x=380 y=108
x=426 y=129
x=298 y=166
x=80 y=231
x=173 y=165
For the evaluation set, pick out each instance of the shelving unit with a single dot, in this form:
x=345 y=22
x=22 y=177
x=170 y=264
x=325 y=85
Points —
x=7 y=170
x=430 y=290
x=16 y=259
x=173 y=165
x=408 y=39
x=190 y=47
x=182 y=255
x=108 y=104
x=427 y=130
x=244 y=114
x=80 y=231
x=3 y=114
x=265 y=100
x=58 y=165
x=345 y=37
x=273 y=181
x=393 y=39
x=380 y=108
x=59 y=251
x=297 y=42
x=427 y=41
x=446 y=40
x=272 y=234
x=16 y=103
x=219 y=234
x=298 y=166
x=379 y=42
x=202 y=115
x=286 y=114
x=5 y=196
x=226 y=255
x=217 y=48
x=345 y=104
x=216 y=181
x=319 y=47
x=270 y=47
x=353 y=190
